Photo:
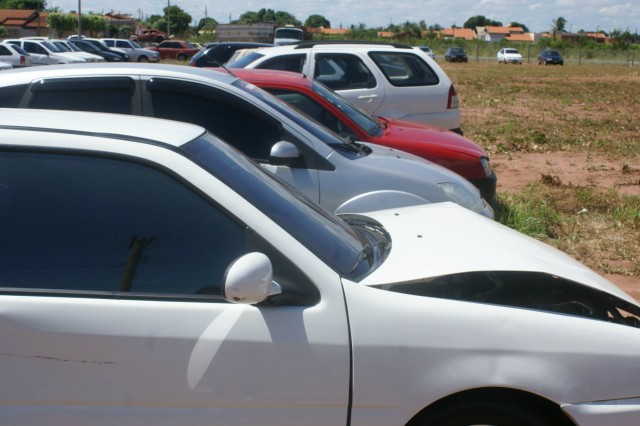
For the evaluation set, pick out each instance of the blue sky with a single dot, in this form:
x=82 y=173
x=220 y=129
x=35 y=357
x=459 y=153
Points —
x=588 y=15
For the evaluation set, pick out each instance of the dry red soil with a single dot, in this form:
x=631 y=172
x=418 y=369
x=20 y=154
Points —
x=517 y=170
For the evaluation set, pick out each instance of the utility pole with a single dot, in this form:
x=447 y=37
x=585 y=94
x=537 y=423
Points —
x=79 y=19
x=168 y=19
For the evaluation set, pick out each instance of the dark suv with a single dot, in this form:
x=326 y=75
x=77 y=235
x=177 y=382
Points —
x=550 y=57
x=216 y=54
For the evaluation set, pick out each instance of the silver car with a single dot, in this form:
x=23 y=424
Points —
x=342 y=175
x=136 y=52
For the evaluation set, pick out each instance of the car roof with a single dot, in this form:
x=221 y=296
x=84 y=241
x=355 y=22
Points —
x=114 y=126
x=28 y=74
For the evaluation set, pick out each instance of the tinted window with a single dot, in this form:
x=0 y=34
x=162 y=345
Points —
x=341 y=71
x=404 y=69
x=108 y=94
x=292 y=63
x=10 y=96
x=227 y=116
x=4 y=51
x=80 y=223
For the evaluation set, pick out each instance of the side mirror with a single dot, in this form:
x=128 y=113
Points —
x=249 y=279
x=284 y=153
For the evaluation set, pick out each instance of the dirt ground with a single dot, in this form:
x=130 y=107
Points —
x=517 y=170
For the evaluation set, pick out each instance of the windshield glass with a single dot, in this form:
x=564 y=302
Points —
x=366 y=122
x=135 y=44
x=324 y=134
x=245 y=60
x=289 y=33
x=61 y=46
x=328 y=237
x=51 y=47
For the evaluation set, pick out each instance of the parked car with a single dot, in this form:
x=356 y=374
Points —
x=328 y=108
x=175 y=49
x=43 y=52
x=154 y=275
x=68 y=47
x=14 y=55
x=105 y=54
x=390 y=80
x=150 y=35
x=550 y=57
x=136 y=52
x=99 y=44
x=216 y=54
x=341 y=175
x=455 y=54
x=508 y=55
x=428 y=51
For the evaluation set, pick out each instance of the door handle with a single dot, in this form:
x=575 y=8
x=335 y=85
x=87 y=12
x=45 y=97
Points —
x=368 y=98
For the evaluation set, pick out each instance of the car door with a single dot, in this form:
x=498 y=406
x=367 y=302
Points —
x=38 y=54
x=110 y=307
x=349 y=75
x=238 y=122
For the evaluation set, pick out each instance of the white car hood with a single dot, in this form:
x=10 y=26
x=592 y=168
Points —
x=441 y=239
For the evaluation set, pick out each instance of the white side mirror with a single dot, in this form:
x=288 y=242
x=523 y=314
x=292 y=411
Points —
x=248 y=279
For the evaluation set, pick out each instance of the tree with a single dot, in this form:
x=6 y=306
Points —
x=480 y=21
x=517 y=24
x=23 y=4
x=207 y=24
x=62 y=23
x=317 y=21
x=178 y=19
x=267 y=15
x=559 y=24
x=3 y=32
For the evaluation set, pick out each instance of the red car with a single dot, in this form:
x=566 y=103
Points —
x=150 y=35
x=440 y=146
x=175 y=49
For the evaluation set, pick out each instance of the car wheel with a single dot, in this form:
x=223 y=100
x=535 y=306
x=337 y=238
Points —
x=481 y=413
x=143 y=59
x=182 y=57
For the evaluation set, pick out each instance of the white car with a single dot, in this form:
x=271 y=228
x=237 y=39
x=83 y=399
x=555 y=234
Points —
x=68 y=47
x=14 y=55
x=509 y=56
x=136 y=52
x=394 y=81
x=340 y=174
x=43 y=52
x=151 y=274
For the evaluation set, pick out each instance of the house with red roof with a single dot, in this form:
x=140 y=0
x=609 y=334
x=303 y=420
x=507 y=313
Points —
x=24 y=23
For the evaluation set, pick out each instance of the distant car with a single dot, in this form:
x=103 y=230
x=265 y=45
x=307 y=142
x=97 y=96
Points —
x=102 y=46
x=136 y=52
x=68 y=47
x=342 y=175
x=43 y=52
x=440 y=146
x=149 y=36
x=216 y=54
x=175 y=49
x=455 y=54
x=428 y=51
x=391 y=80
x=14 y=55
x=150 y=274
x=550 y=57
x=105 y=54
x=508 y=55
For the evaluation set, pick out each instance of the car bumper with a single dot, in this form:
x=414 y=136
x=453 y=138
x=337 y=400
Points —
x=624 y=412
x=487 y=187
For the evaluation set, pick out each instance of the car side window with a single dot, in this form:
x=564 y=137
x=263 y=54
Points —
x=232 y=119
x=405 y=69
x=4 y=51
x=77 y=223
x=33 y=48
x=311 y=108
x=11 y=96
x=294 y=63
x=104 y=94
x=343 y=71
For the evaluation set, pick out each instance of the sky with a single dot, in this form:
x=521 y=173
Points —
x=537 y=15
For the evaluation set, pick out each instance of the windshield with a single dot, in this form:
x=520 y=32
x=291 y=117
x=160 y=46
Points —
x=245 y=60
x=289 y=33
x=361 y=118
x=135 y=44
x=324 y=134
x=61 y=46
x=51 y=47
x=347 y=250
x=512 y=51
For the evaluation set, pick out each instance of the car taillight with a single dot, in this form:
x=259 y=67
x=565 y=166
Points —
x=452 y=101
x=22 y=60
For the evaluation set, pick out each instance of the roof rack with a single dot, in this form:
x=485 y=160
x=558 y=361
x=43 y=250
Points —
x=310 y=44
